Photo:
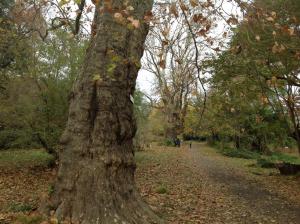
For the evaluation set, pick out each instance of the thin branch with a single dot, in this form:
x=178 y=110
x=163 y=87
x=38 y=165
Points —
x=196 y=62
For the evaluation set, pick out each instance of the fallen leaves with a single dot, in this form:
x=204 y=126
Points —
x=277 y=48
x=192 y=195
x=191 y=188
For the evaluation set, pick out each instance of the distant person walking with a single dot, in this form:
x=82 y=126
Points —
x=190 y=145
x=177 y=142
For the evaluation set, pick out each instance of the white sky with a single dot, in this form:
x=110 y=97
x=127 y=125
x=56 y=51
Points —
x=145 y=80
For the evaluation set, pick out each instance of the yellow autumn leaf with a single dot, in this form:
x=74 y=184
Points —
x=118 y=17
x=130 y=8
x=96 y=77
x=53 y=221
x=291 y=31
x=194 y=3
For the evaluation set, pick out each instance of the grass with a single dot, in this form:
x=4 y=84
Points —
x=161 y=189
x=142 y=157
x=145 y=157
x=263 y=161
x=23 y=219
x=277 y=157
x=167 y=142
x=25 y=158
x=239 y=153
x=51 y=189
x=20 y=207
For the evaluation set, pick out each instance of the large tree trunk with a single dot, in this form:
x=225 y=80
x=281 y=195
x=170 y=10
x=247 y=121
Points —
x=173 y=127
x=174 y=120
x=95 y=181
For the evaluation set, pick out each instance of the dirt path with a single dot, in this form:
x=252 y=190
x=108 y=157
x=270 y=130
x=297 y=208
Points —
x=248 y=195
x=205 y=187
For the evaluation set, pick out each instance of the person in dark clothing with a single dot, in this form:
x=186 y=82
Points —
x=177 y=142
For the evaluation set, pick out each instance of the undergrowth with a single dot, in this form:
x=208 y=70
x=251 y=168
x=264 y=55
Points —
x=264 y=161
x=20 y=207
x=25 y=158
x=239 y=153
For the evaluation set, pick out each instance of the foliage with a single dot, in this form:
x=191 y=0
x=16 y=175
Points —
x=253 y=94
x=35 y=101
x=161 y=189
x=20 y=207
x=141 y=111
x=156 y=122
x=25 y=158
x=275 y=158
x=168 y=142
x=239 y=153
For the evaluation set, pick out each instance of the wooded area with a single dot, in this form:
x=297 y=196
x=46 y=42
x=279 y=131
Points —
x=223 y=73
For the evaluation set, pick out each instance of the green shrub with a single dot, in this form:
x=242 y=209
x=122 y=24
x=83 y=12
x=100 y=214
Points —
x=20 y=207
x=26 y=158
x=266 y=163
x=239 y=153
x=277 y=157
x=167 y=142
x=17 y=138
x=51 y=189
x=161 y=189
x=282 y=157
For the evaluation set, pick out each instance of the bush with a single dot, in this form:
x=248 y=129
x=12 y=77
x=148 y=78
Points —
x=276 y=158
x=167 y=142
x=239 y=153
x=17 y=138
x=161 y=189
x=26 y=158
x=266 y=163
x=282 y=157
x=20 y=207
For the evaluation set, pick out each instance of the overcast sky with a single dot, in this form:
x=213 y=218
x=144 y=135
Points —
x=145 y=79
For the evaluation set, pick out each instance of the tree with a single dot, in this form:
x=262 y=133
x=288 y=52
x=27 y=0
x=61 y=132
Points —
x=255 y=82
x=270 y=39
x=95 y=182
x=264 y=52
x=6 y=34
x=169 y=56
x=34 y=105
x=142 y=110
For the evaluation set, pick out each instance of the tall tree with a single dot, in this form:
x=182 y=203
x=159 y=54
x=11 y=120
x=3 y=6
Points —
x=95 y=182
x=169 y=57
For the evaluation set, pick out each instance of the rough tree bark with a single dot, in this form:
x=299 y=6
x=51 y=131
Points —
x=174 y=126
x=95 y=180
x=175 y=109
